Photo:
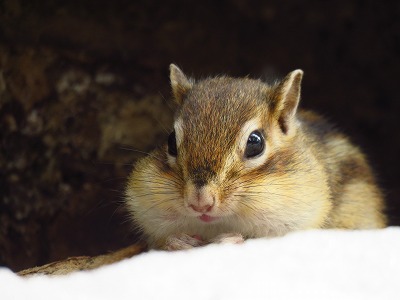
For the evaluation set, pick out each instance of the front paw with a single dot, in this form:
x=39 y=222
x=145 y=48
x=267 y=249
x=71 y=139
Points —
x=182 y=241
x=228 y=238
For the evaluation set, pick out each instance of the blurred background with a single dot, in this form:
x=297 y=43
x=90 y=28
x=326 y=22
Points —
x=84 y=88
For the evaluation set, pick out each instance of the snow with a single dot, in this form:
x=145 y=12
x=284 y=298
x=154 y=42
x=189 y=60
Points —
x=318 y=264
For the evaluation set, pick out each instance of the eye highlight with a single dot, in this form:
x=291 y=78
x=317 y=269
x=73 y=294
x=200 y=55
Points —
x=255 y=144
x=172 y=150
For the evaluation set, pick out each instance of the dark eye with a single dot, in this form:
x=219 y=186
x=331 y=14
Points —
x=255 y=144
x=172 y=144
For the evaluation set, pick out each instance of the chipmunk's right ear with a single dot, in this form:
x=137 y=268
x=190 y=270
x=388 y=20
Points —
x=179 y=82
x=286 y=98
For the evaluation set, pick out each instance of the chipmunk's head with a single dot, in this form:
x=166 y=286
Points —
x=226 y=137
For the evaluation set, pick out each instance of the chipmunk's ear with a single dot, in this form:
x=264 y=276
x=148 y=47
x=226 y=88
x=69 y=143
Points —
x=286 y=97
x=179 y=82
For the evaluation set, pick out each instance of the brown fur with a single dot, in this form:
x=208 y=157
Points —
x=310 y=175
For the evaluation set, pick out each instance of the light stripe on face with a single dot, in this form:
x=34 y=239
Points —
x=178 y=127
x=178 y=137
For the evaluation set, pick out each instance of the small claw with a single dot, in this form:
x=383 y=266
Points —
x=182 y=242
x=228 y=238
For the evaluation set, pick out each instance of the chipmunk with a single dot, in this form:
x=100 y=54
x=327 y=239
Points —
x=243 y=162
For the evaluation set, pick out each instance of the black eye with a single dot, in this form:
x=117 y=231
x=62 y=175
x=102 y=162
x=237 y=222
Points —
x=255 y=144
x=172 y=144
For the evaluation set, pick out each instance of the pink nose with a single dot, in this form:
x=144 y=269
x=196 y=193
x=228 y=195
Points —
x=201 y=208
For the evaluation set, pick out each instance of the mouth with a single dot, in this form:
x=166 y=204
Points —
x=207 y=219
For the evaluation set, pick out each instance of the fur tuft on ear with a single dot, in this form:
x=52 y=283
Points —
x=179 y=82
x=286 y=99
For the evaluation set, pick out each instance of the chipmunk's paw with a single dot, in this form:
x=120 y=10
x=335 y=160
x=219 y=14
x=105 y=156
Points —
x=183 y=241
x=228 y=238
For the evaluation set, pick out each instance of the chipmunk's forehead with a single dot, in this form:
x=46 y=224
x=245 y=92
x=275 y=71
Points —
x=214 y=114
x=223 y=101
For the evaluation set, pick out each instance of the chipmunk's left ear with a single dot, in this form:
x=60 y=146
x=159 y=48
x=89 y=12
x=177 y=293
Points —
x=180 y=83
x=286 y=99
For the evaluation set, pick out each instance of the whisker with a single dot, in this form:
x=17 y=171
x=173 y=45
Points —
x=129 y=148
x=168 y=103
x=157 y=203
x=166 y=183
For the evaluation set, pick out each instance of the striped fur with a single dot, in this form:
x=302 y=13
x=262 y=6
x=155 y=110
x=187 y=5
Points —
x=310 y=175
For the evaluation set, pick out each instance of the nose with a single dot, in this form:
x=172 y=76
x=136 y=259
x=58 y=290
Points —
x=201 y=200
x=201 y=208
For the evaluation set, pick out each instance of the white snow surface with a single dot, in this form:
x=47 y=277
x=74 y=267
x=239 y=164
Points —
x=317 y=264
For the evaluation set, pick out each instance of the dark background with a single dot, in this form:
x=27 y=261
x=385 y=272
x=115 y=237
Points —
x=84 y=84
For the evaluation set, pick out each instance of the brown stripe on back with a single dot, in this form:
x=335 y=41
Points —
x=316 y=126
x=351 y=169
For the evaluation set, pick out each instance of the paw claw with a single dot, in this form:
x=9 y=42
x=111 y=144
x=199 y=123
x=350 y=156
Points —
x=182 y=242
x=228 y=238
